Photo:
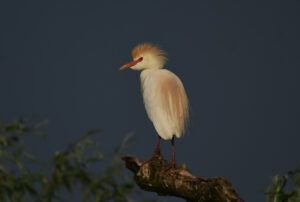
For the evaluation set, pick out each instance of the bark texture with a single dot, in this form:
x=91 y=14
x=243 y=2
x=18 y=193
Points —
x=156 y=175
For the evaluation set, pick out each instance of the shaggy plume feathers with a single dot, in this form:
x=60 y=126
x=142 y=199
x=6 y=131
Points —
x=148 y=48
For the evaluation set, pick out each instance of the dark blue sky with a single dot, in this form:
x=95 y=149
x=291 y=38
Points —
x=239 y=62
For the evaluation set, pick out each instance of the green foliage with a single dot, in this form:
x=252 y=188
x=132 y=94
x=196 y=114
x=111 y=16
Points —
x=278 y=190
x=81 y=167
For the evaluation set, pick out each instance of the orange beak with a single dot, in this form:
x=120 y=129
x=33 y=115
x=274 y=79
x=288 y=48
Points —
x=130 y=64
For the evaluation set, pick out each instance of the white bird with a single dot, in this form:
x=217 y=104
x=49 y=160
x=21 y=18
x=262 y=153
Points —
x=164 y=95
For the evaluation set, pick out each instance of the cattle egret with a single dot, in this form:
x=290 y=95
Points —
x=164 y=96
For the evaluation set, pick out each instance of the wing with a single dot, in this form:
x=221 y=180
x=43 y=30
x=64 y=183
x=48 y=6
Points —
x=166 y=103
x=174 y=101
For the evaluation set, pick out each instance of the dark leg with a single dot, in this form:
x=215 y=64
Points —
x=173 y=162
x=157 y=147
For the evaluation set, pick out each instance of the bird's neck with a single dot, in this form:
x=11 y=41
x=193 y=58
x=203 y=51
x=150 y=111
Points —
x=147 y=72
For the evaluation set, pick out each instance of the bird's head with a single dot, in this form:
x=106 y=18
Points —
x=146 y=56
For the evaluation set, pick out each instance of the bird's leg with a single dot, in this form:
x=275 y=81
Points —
x=173 y=162
x=156 y=152
x=157 y=147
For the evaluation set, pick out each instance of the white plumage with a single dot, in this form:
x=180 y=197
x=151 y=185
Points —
x=164 y=96
x=165 y=102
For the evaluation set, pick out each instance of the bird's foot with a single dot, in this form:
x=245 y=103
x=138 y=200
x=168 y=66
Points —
x=155 y=155
x=156 y=152
x=170 y=166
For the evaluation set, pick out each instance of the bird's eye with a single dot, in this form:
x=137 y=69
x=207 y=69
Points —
x=141 y=59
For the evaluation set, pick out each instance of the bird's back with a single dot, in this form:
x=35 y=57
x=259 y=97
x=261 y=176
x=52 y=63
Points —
x=165 y=101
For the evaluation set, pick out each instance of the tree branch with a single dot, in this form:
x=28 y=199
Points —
x=155 y=175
